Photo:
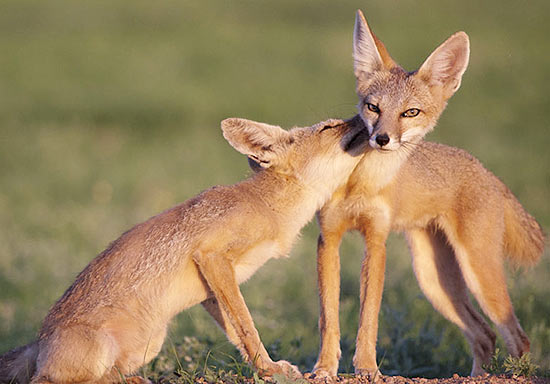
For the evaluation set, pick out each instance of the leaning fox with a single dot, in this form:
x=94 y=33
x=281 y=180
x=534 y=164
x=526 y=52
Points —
x=458 y=217
x=113 y=319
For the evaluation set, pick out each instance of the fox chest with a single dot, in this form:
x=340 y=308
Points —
x=375 y=173
x=371 y=211
x=254 y=258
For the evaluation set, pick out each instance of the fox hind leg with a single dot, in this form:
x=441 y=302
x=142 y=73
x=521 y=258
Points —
x=75 y=354
x=479 y=255
x=440 y=278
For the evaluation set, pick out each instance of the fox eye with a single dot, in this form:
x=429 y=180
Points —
x=411 y=112
x=373 y=108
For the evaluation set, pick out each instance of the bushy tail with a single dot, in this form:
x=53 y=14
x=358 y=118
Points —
x=18 y=365
x=523 y=238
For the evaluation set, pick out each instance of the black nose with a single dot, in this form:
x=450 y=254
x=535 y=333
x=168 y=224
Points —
x=382 y=139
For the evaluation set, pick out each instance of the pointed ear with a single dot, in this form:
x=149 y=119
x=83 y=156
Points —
x=259 y=141
x=369 y=53
x=446 y=65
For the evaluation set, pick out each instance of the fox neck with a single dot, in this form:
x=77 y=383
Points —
x=294 y=201
x=377 y=169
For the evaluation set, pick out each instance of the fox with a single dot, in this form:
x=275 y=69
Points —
x=113 y=319
x=459 y=219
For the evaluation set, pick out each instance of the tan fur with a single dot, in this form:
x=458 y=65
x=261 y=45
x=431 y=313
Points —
x=113 y=319
x=458 y=217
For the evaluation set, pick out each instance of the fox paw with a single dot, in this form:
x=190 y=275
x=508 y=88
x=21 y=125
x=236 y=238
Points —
x=136 y=380
x=283 y=367
x=373 y=375
x=322 y=372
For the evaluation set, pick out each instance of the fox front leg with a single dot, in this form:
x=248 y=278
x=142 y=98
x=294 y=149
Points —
x=219 y=274
x=216 y=311
x=371 y=286
x=328 y=270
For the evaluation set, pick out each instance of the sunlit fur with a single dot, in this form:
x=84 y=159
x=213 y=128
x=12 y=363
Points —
x=459 y=219
x=113 y=319
x=407 y=91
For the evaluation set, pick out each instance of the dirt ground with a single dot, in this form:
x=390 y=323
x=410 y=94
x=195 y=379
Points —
x=351 y=379
x=491 y=379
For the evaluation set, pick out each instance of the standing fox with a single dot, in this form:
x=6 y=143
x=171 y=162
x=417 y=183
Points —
x=459 y=219
x=113 y=319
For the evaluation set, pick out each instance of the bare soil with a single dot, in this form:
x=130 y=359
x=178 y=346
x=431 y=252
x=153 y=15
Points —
x=455 y=379
x=351 y=379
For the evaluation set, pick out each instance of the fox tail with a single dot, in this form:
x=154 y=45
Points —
x=18 y=365
x=524 y=240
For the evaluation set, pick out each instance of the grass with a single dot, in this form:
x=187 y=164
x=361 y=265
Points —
x=518 y=366
x=110 y=111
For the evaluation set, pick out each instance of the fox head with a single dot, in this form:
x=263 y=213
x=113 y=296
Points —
x=400 y=107
x=319 y=156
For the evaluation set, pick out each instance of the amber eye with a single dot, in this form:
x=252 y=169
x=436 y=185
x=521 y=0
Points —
x=373 y=108
x=411 y=112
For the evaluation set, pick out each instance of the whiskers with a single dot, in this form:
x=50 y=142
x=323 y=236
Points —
x=406 y=149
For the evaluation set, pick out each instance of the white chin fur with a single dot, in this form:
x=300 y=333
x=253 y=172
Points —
x=391 y=146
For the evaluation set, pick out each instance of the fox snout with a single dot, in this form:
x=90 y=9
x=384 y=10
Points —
x=384 y=133
x=383 y=140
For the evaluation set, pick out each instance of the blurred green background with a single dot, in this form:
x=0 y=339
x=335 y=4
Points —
x=110 y=112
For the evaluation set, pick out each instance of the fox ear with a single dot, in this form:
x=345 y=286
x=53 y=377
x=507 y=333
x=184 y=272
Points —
x=258 y=141
x=369 y=53
x=446 y=65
